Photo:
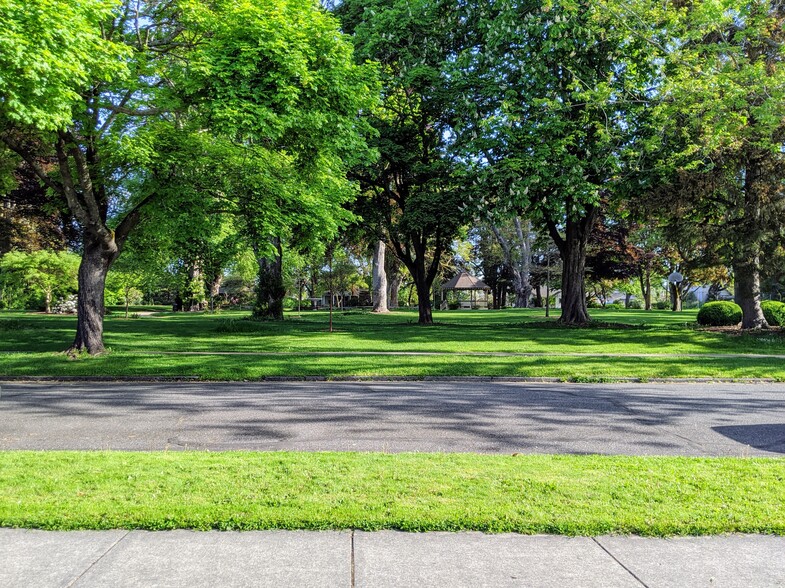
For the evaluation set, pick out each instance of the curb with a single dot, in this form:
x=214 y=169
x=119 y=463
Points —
x=517 y=379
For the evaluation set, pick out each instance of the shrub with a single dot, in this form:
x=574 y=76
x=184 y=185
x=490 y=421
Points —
x=662 y=305
x=453 y=305
x=774 y=312
x=636 y=304
x=614 y=306
x=719 y=314
x=66 y=305
x=593 y=303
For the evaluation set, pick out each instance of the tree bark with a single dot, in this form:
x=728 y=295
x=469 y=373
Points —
x=573 y=292
x=379 y=278
x=572 y=248
x=517 y=260
x=676 y=305
x=746 y=262
x=95 y=264
x=424 y=307
x=422 y=274
x=395 y=288
x=747 y=278
x=270 y=291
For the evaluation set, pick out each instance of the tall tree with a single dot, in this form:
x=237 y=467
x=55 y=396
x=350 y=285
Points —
x=59 y=102
x=126 y=70
x=722 y=117
x=413 y=188
x=554 y=93
x=280 y=81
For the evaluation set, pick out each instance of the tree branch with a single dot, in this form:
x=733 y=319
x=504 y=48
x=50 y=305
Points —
x=130 y=220
x=119 y=109
x=34 y=165
x=69 y=191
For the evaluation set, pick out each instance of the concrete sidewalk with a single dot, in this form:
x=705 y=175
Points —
x=297 y=558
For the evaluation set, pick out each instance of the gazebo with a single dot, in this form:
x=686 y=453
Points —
x=464 y=281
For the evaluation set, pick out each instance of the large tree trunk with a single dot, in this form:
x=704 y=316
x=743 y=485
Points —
x=747 y=278
x=96 y=261
x=270 y=291
x=379 y=278
x=746 y=262
x=572 y=248
x=423 y=274
x=424 y=300
x=676 y=300
x=394 y=286
x=573 y=293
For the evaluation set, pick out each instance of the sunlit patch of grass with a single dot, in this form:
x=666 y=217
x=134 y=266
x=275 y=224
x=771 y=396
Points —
x=572 y=495
x=138 y=346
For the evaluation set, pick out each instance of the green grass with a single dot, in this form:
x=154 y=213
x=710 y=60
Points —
x=30 y=344
x=573 y=495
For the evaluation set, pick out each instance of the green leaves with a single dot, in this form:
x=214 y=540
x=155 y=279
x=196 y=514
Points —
x=51 y=51
x=279 y=72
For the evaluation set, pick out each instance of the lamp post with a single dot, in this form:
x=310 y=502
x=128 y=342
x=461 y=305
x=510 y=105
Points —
x=675 y=279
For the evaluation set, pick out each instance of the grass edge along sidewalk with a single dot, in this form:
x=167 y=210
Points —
x=568 y=494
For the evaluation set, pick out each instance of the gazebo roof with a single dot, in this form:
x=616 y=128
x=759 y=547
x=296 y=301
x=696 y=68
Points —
x=464 y=281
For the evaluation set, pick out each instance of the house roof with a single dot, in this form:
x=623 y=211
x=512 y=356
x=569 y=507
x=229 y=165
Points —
x=464 y=281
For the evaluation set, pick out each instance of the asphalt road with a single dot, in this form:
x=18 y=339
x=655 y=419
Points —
x=487 y=417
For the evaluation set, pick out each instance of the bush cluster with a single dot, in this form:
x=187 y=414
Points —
x=719 y=314
x=67 y=305
x=774 y=312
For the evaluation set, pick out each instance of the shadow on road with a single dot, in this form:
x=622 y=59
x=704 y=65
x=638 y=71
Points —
x=398 y=416
x=768 y=437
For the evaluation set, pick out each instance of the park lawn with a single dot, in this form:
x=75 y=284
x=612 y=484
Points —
x=29 y=345
x=293 y=365
x=572 y=495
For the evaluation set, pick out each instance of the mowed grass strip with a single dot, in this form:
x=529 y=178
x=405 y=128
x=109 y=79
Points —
x=297 y=365
x=30 y=345
x=512 y=331
x=572 y=495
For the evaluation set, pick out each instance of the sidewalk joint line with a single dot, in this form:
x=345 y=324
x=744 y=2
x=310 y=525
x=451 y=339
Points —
x=92 y=565
x=351 y=564
x=614 y=558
